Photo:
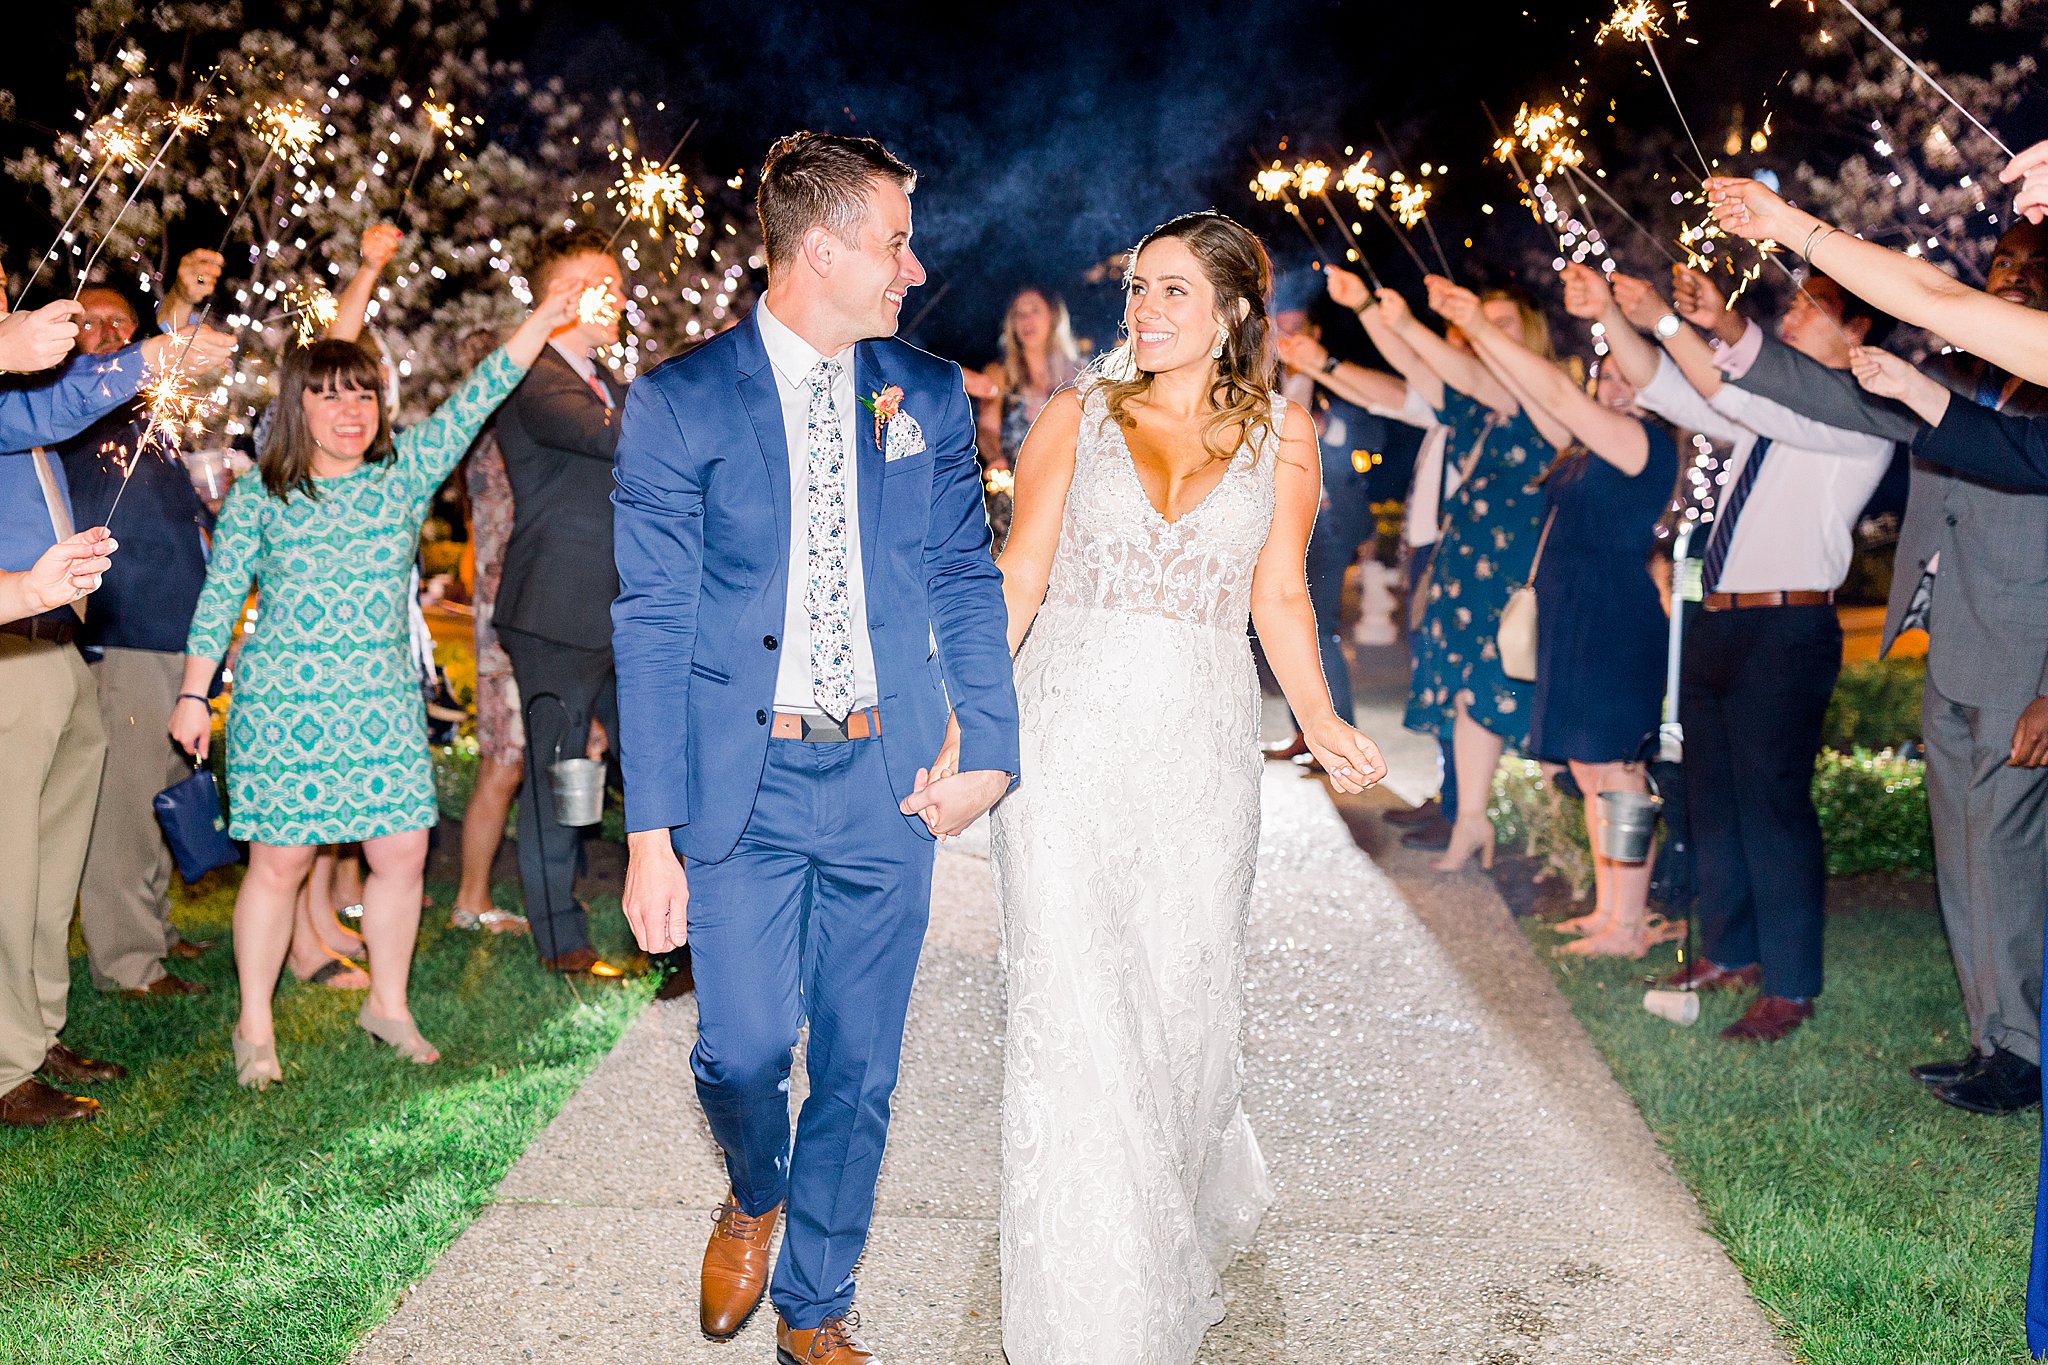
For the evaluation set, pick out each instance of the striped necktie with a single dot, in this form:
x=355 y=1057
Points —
x=1723 y=536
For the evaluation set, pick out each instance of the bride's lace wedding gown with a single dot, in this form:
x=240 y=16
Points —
x=1123 y=870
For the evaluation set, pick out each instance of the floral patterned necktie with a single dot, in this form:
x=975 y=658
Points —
x=826 y=589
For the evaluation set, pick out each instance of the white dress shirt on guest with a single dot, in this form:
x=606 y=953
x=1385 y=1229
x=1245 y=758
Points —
x=1798 y=528
x=792 y=358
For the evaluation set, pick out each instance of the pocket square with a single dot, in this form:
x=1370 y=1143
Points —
x=903 y=438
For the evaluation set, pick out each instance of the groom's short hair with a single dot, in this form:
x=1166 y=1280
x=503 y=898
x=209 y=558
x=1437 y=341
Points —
x=820 y=180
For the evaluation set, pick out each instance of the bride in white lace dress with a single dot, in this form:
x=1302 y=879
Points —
x=1158 y=507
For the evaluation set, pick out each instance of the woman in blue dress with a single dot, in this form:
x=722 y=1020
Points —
x=1601 y=625
x=1500 y=449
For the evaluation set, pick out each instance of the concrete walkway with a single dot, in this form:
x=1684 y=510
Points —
x=1459 y=1178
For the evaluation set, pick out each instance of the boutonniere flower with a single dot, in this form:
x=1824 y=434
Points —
x=884 y=405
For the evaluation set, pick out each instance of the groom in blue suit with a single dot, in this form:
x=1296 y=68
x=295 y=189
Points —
x=805 y=593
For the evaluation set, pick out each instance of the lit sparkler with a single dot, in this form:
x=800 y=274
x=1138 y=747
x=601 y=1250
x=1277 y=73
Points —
x=1915 y=67
x=657 y=194
x=288 y=127
x=1314 y=178
x=597 y=305
x=179 y=119
x=1275 y=183
x=312 y=308
x=440 y=121
x=1000 y=481
x=117 y=144
x=1641 y=21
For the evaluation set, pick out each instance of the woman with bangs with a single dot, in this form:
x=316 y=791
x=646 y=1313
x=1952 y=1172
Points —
x=326 y=732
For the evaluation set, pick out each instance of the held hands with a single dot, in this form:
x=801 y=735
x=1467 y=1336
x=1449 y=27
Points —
x=37 y=340
x=1347 y=290
x=946 y=799
x=657 y=895
x=1352 y=761
x=1586 y=294
x=1639 y=302
x=380 y=243
x=1456 y=305
x=68 y=570
x=2030 y=167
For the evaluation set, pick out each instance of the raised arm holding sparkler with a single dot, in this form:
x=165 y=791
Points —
x=192 y=284
x=2009 y=335
x=1444 y=363
x=352 y=306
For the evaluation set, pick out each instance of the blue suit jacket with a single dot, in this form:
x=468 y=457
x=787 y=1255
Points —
x=701 y=536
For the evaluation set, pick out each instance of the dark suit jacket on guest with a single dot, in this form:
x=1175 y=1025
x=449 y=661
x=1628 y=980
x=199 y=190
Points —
x=148 y=596
x=558 y=438
x=1990 y=594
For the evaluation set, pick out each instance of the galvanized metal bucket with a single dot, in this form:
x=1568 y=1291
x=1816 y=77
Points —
x=576 y=785
x=1628 y=825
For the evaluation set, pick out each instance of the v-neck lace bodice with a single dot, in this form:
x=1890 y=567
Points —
x=1117 y=552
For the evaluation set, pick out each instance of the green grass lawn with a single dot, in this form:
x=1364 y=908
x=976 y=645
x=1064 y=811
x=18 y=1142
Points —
x=196 y=1221
x=1872 y=1222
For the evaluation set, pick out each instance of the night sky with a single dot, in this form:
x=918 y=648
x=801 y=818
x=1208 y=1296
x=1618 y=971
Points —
x=1049 y=136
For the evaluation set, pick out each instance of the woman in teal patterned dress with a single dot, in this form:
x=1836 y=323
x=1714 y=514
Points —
x=326 y=733
x=1491 y=526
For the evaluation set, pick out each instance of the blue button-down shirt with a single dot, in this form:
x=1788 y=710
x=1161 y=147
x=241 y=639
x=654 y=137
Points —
x=41 y=410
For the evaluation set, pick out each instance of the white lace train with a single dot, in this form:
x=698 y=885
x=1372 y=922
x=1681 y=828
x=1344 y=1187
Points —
x=1124 y=868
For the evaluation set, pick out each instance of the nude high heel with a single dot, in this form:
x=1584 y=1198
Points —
x=399 y=1035
x=1468 y=836
x=255 y=1063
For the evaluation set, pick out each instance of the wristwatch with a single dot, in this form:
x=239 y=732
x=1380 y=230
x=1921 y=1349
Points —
x=1330 y=364
x=1667 y=326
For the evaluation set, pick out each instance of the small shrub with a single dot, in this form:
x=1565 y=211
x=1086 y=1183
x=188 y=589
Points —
x=1876 y=705
x=1873 y=813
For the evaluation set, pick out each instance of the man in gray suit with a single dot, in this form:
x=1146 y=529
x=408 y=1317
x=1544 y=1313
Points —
x=1972 y=570
x=553 y=613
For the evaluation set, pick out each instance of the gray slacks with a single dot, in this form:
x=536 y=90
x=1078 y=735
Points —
x=1991 y=864
x=124 y=902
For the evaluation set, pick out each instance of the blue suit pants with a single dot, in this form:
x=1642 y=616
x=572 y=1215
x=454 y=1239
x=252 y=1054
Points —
x=818 y=914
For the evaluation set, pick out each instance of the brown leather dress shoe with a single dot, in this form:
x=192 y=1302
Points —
x=1769 y=1018
x=1707 y=975
x=583 y=962
x=830 y=1343
x=167 y=986
x=60 y=1063
x=33 y=1104
x=735 y=1270
x=186 y=949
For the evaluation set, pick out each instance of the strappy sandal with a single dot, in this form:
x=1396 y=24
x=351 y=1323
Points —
x=496 y=920
x=255 y=1063
x=333 y=968
x=400 y=1036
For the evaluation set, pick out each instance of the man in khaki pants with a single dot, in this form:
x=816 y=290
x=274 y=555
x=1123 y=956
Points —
x=51 y=739
x=134 y=638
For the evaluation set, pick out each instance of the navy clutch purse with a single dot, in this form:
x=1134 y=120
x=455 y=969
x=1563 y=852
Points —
x=194 y=826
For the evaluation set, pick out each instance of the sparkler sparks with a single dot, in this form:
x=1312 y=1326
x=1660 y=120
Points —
x=1312 y=176
x=1638 y=21
x=312 y=308
x=1272 y=183
x=116 y=142
x=1362 y=182
x=1410 y=200
x=288 y=128
x=597 y=305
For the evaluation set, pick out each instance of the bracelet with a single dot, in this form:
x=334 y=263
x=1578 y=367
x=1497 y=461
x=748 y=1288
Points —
x=1330 y=364
x=1815 y=238
x=193 y=696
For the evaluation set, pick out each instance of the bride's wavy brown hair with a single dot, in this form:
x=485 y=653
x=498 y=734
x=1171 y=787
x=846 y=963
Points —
x=1236 y=266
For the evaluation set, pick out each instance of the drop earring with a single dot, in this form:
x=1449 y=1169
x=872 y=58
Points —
x=1216 y=351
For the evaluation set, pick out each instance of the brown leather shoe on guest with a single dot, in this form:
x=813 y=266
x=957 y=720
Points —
x=187 y=949
x=60 y=1063
x=583 y=962
x=831 y=1343
x=33 y=1104
x=1769 y=1018
x=167 y=986
x=1707 y=975
x=735 y=1269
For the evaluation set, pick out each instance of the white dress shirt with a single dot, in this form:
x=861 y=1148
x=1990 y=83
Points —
x=1797 y=531
x=1423 y=517
x=792 y=358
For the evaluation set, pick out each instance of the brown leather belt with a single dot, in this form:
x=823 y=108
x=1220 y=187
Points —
x=43 y=628
x=823 y=729
x=1743 y=601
